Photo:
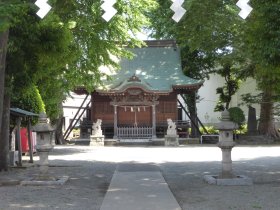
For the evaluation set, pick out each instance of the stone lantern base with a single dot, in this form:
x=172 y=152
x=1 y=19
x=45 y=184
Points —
x=97 y=140
x=240 y=180
x=44 y=178
x=171 y=140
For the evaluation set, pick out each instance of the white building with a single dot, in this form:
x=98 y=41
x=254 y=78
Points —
x=71 y=106
x=209 y=98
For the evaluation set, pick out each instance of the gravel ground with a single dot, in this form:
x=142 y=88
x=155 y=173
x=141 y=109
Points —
x=91 y=169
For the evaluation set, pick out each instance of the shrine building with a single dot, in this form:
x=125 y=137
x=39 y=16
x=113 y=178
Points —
x=143 y=94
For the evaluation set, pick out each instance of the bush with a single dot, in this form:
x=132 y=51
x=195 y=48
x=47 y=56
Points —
x=210 y=130
x=242 y=129
x=28 y=99
x=236 y=115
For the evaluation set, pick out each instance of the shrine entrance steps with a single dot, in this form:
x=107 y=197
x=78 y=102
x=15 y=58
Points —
x=136 y=142
x=139 y=187
x=123 y=142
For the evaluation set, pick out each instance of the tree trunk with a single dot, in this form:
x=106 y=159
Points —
x=266 y=124
x=5 y=134
x=3 y=51
x=191 y=103
x=58 y=131
x=58 y=127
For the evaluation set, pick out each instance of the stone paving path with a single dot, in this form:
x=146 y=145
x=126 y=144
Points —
x=139 y=191
x=139 y=187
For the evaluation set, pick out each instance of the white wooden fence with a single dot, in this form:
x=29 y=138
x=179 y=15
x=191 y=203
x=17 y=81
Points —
x=134 y=132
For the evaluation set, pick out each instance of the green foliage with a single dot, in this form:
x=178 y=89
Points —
x=262 y=34
x=249 y=99
x=53 y=94
x=38 y=53
x=232 y=83
x=210 y=130
x=99 y=42
x=209 y=37
x=10 y=12
x=67 y=47
x=242 y=129
x=28 y=99
x=196 y=61
x=262 y=43
x=236 y=115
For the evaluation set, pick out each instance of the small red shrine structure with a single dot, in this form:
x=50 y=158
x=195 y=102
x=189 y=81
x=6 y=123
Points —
x=142 y=95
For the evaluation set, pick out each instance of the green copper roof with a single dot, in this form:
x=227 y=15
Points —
x=157 y=68
x=20 y=112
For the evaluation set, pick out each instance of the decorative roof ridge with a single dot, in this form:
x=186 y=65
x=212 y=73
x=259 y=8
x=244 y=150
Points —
x=133 y=81
x=134 y=78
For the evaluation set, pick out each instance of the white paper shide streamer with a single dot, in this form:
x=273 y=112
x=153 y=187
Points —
x=110 y=11
x=44 y=8
x=246 y=9
x=179 y=11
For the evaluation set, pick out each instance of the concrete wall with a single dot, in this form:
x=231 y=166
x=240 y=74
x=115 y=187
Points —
x=209 y=98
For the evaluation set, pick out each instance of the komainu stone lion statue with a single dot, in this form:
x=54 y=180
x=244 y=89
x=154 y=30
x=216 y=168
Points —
x=171 y=128
x=96 y=128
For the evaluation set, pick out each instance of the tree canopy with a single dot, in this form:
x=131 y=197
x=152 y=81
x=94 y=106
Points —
x=67 y=47
x=71 y=42
x=240 y=47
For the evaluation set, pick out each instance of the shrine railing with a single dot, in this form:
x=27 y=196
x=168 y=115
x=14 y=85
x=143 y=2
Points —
x=134 y=132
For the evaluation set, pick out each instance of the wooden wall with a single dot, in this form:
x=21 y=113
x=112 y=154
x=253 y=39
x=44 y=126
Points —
x=101 y=109
x=167 y=108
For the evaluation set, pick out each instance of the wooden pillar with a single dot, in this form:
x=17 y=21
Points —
x=30 y=142
x=19 y=142
x=115 y=121
x=154 y=121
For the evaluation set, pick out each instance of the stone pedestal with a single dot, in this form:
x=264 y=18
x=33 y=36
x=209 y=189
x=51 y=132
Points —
x=171 y=140
x=226 y=147
x=96 y=140
x=43 y=152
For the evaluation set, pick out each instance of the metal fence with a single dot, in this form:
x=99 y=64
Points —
x=134 y=132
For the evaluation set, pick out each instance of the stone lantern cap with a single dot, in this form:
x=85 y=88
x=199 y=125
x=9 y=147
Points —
x=226 y=123
x=43 y=126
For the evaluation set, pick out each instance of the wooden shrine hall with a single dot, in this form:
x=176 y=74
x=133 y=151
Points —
x=142 y=95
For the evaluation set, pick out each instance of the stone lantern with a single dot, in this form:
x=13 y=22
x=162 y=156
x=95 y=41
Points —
x=226 y=144
x=226 y=177
x=44 y=145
